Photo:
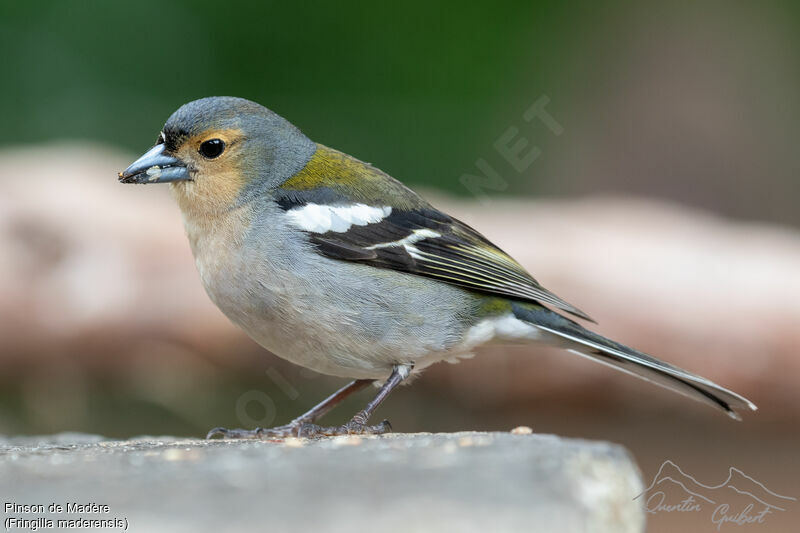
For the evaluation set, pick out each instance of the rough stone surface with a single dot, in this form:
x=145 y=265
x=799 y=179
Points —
x=399 y=482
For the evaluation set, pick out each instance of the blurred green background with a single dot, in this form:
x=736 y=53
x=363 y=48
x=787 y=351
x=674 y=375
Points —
x=422 y=89
x=418 y=86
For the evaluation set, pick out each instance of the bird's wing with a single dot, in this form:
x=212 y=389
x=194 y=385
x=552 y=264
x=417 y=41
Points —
x=405 y=234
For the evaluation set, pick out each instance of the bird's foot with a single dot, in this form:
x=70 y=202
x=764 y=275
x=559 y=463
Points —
x=299 y=428
x=292 y=429
x=354 y=427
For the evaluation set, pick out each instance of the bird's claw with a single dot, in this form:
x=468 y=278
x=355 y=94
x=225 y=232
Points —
x=301 y=429
x=351 y=428
x=280 y=432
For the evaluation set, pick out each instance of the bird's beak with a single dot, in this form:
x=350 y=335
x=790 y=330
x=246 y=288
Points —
x=155 y=167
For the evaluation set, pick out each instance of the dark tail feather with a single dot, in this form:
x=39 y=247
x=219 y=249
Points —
x=598 y=348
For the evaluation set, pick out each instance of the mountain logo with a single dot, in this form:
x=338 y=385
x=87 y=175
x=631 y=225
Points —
x=738 y=500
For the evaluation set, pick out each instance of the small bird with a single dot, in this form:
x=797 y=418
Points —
x=334 y=265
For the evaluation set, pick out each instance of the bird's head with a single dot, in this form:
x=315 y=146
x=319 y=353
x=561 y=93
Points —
x=217 y=152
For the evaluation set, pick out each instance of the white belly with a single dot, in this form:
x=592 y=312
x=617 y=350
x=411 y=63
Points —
x=336 y=317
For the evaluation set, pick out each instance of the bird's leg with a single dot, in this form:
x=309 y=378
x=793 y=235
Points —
x=358 y=424
x=293 y=427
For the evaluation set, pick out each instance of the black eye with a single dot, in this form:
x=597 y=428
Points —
x=212 y=148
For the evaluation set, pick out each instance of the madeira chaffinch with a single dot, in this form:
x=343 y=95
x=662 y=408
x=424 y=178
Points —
x=336 y=266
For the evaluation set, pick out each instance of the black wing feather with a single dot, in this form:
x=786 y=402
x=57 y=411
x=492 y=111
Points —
x=449 y=251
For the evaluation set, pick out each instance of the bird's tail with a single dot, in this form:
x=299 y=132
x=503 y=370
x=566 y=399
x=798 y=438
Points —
x=583 y=342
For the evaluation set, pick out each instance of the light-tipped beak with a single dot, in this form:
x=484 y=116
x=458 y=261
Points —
x=155 y=167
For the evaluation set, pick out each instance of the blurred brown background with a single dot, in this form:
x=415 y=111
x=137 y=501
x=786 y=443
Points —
x=660 y=193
